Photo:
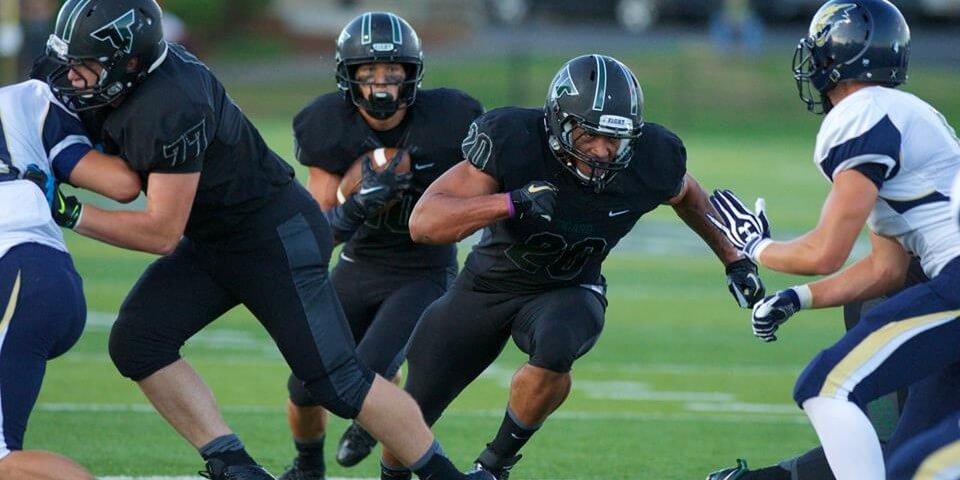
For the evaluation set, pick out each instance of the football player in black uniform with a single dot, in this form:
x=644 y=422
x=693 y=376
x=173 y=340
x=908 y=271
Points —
x=384 y=281
x=233 y=228
x=554 y=189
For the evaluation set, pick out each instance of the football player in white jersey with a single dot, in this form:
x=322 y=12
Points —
x=890 y=158
x=42 y=309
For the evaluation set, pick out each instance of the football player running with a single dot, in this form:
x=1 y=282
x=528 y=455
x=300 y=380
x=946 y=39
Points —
x=384 y=281
x=41 y=142
x=890 y=158
x=554 y=189
x=232 y=226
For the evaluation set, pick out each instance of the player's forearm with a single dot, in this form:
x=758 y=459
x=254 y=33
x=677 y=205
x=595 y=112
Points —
x=440 y=219
x=864 y=280
x=128 y=229
x=695 y=218
x=802 y=256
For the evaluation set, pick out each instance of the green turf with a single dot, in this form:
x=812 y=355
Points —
x=657 y=397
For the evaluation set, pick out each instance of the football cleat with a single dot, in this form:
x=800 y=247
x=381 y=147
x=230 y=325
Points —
x=217 y=470
x=297 y=472
x=479 y=475
x=354 y=445
x=733 y=473
x=491 y=463
x=388 y=474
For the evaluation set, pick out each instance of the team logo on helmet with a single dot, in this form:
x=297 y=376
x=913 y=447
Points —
x=563 y=85
x=827 y=19
x=118 y=32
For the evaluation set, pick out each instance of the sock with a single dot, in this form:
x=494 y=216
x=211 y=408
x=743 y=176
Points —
x=310 y=453
x=228 y=449
x=434 y=465
x=848 y=438
x=393 y=472
x=512 y=436
x=809 y=466
x=769 y=473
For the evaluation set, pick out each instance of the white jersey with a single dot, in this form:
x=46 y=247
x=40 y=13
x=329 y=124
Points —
x=35 y=130
x=905 y=146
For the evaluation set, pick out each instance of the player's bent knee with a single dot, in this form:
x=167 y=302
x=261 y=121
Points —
x=343 y=390
x=136 y=357
x=299 y=395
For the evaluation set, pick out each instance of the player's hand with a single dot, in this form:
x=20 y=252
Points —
x=744 y=282
x=534 y=200
x=773 y=311
x=42 y=180
x=66 y=209
x=378 y=188
x=746 y=230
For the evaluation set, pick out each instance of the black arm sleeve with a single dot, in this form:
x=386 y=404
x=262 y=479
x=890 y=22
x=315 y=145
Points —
x=345 y=219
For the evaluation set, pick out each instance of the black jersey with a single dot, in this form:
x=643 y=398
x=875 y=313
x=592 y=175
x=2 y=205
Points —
x=180 y=120
x=331 y=134
x=510 y=144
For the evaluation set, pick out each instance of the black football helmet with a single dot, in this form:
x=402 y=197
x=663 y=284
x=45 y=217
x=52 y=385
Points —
x=602 y=96
x=109 y=32
x=865 y=40
x=379 y=37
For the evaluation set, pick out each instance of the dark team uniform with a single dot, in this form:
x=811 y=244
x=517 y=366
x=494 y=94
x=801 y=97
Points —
x=538 y=282
x=384 y=280
x=254 y=237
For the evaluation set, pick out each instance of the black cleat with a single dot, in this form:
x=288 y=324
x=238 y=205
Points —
x=297 y=472
x=733 y=473
x=497 y=467
x=388 y=474
x=479 y=475
x=354 y=446
x=217 y=470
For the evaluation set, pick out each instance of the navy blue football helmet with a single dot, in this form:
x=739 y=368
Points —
x=864 y=40
x=109 y=32
x=600 y=95
x=379 y=37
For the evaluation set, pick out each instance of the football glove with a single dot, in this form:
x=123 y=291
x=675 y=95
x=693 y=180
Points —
x=378 y=188
x=746 y=230
x=534 y=200
x=42 y=180
x=744 y=282
x=66 y=209
x=773 y=311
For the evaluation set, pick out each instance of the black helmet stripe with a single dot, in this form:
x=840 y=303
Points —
x=72 y=19
x=395 y=29
x=365 y=36
x=600 y=92
x=634 y=97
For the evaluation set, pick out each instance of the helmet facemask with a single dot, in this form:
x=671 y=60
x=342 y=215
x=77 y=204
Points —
x=381 y=104
x=812 y=82
x=574 y=132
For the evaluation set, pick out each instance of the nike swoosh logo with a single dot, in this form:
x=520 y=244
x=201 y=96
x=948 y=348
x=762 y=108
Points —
x=514 y=435
x=617 y=214
x=418 y=166
x=538 y=188
x=364 y=191
x=62 y=208
x=11 y=305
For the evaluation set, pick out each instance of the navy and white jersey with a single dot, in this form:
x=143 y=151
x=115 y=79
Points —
x=35 y=131
x=330 y=134
x=180 y=120
x=955 y=202
x=525 y=256
x=911 y=153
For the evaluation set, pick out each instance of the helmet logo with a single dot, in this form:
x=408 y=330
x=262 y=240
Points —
x=563 y=85
x=827 y=19
x=118 y=32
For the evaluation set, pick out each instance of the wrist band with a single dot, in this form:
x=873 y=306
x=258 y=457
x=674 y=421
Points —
x=510 y=210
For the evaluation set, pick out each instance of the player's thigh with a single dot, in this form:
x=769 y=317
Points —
x=899 y=342
x=457 y=337
x=360 y=289
x=932 y=454
x=559 y=326
x=929 y=401
x=383 y=347
x=175 y=298
x=42 y=313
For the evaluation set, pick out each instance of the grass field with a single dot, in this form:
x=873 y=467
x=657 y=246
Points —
x=676 y=386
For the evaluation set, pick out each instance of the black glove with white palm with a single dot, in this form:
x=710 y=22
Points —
x=747 y=230
x=773 y=311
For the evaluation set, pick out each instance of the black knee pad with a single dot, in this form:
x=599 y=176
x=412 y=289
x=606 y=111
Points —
x=299 y=395
x=343 y=390
x=136 y=356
